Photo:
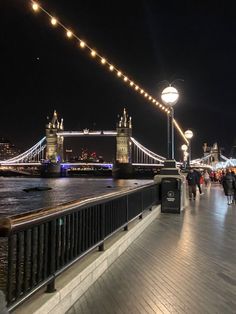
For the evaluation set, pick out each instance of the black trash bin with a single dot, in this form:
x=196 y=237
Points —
x=170 y=195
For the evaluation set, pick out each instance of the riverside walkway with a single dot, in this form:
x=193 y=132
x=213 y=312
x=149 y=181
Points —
x=180 y=264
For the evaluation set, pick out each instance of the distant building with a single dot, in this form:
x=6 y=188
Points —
x=7 y=149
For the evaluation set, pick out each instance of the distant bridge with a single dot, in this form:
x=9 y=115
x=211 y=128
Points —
x=142 y=156
x=128 y=149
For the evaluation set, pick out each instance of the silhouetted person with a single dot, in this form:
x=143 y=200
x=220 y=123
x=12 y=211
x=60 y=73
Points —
x=228 y=183
x=198 y=175
x=192 y=180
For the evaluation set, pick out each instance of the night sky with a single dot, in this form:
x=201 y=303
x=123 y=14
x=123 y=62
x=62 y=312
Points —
x=150 y=41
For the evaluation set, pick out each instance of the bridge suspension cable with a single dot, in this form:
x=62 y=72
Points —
x=35 y=153
x=107 y=64
x=143 y=155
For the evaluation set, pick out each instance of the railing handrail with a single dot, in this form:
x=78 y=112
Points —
x=20 y=221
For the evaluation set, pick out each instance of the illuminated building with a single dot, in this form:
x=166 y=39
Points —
x=7 y=149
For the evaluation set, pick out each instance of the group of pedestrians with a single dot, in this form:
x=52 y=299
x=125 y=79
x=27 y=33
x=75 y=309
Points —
x=194 y=179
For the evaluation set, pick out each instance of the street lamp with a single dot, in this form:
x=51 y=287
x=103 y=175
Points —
x=184 y=148
x=170 y=97
x=189 y=134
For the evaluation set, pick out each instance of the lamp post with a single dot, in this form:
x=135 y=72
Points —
x=184 y=148
x=170 y=97
x=189 y=134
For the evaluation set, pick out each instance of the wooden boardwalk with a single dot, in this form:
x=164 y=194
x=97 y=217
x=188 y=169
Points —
x=180 y=264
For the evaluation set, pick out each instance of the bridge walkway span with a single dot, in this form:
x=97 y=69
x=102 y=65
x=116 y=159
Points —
x=180 y=264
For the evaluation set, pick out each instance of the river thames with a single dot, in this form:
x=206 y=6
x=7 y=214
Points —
x=14 y=200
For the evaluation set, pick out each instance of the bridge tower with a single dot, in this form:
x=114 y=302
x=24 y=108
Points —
x=54 y=149
x=122 y=167
x=213 y=152
x=123 y=142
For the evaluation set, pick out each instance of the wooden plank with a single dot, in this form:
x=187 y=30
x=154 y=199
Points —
x=180 y=264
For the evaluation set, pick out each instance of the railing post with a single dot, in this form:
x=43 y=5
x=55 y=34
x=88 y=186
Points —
x=51 y=286
x=141 y=215
x=127 y=213
x=51 y=255
x=102 y=226
x=10 y=269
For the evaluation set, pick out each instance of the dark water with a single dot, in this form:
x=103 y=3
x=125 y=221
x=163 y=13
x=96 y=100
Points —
x=14 y=200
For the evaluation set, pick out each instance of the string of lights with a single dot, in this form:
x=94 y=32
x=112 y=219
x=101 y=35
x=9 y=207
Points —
x=102 y=60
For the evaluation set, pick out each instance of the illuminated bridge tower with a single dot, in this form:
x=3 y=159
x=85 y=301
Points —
x=54 y=149
x=122 y=167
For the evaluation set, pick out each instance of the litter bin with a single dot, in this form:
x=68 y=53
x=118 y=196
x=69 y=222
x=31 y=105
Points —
x=170 y=195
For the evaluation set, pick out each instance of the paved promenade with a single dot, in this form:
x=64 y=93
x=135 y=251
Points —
x=180 y=264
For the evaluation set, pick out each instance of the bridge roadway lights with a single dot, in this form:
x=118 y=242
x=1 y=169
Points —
x=122 y=170
x=172 y=188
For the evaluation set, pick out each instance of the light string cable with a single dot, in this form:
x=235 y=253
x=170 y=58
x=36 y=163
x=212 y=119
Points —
x=112 y=68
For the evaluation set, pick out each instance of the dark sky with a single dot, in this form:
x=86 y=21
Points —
x=150 y=41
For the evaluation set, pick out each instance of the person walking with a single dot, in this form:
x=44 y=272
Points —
x=198 y=175
x=192 y=180
x=206 y=177
x=229 y=184
x=234 y=187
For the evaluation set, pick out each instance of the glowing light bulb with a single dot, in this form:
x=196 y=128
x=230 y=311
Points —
x=119 y=73
x=69 y=34
x=35 y=6
x=93 y=53
x=103 y=61
x=82 y=44
x=111 y=67
x=136 y=87
x=125 y=78
x=146 y=95
x=150 y=98
x=141 y=92
x=53 y=21
x=153 y=100
x=131 y=83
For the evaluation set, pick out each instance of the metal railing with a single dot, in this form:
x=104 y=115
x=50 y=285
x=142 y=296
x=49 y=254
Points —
x=40 y=245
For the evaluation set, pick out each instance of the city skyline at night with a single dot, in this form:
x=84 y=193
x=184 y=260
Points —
x=152 y=42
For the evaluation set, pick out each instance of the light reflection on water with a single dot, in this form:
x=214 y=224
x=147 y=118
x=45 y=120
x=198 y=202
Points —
x=14 y=200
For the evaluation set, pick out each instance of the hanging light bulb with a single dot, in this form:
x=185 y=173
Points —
x=35 y=6
x=82 y=44
x=93 y=53
x=119 y=73
x=125 y=78
x=53 y=21
x=103 y=61
x=111 y=67
x=69 y=34
x=131 y=83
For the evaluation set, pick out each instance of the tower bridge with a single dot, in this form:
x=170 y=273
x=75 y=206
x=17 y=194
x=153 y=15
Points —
x=49 y=151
